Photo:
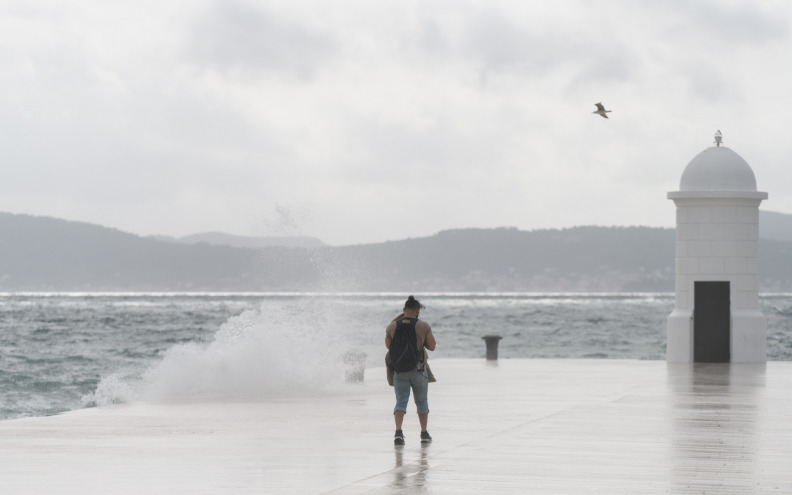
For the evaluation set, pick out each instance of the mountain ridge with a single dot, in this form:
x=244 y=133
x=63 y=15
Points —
x=48 y=254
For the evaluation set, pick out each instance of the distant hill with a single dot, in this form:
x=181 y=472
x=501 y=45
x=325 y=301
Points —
x=775 y=226
x=507 y=259
x=47 y=254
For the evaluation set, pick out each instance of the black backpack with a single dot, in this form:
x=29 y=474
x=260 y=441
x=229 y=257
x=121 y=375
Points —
x=403 y=349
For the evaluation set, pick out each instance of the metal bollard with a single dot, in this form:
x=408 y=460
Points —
x=492 y=346
x=355 y=361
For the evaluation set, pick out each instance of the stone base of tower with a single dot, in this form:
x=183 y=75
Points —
x=748 y=337
x=679 y=337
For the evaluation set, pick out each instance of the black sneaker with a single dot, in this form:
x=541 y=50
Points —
x=425 y=437
x=398 y=438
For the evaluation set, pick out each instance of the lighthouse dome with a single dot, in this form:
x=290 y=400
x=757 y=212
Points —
x=718 y=169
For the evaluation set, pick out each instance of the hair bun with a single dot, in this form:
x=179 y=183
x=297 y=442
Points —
x=413 y=303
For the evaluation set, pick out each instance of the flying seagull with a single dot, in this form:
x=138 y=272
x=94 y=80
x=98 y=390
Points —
x=601 y=110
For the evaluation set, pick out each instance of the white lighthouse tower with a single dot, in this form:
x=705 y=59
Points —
x=716 y=316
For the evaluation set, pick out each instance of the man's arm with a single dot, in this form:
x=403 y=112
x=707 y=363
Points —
x=388 y=334
x=429 y=341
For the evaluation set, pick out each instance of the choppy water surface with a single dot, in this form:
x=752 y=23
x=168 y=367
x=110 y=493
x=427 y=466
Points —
x=60 y=352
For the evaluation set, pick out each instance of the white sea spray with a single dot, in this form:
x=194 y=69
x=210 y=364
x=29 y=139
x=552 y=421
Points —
x=277 y=349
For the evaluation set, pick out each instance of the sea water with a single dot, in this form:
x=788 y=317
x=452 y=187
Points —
x=60 y=352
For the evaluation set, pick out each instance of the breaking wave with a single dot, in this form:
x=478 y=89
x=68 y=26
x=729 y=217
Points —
x=281 y=349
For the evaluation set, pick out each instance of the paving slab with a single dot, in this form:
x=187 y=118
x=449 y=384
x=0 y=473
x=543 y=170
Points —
x=512 y=426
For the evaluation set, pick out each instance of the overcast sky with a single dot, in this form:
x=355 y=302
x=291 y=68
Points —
x=365 y=121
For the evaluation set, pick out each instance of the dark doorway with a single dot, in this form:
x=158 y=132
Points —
x=712 y=323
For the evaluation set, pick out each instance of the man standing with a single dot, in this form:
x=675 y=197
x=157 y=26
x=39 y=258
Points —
x=412 y=377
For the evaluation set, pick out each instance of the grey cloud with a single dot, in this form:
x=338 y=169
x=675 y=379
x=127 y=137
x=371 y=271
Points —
x=432 y=39
x=745 y=22
x=606 y=63
x=502 y=46
x=388 y=151
x=233 y=35
x=703 y=34
x=707 y=83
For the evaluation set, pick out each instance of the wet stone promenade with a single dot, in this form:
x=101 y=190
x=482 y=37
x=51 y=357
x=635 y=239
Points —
x=517 y=426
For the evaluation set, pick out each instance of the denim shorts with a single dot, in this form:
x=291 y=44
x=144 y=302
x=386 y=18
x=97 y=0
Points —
x=416 y=380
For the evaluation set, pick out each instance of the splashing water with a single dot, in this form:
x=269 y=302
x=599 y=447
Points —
x=285 y=348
